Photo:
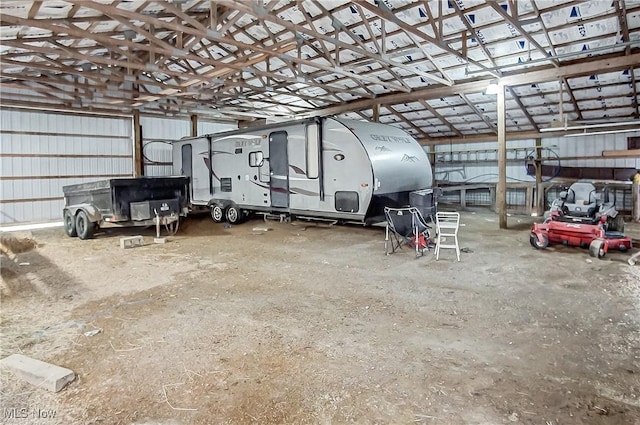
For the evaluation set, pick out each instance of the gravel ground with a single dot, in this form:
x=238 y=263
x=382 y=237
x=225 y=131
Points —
x=313 y=324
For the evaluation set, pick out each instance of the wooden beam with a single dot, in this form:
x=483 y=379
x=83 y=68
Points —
x=539 y=187
x=376 y=112
x=194 y=125
x=479 y=113
x=501 y=193
x=631 y=153
x=138 y=166
x=515 y=79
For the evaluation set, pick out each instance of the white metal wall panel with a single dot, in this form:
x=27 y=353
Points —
x=593 y=146
x=573 y=147
x=156 y=135
x=158 y=132
x=40 y=152
x=485 y=170
x=210 y=127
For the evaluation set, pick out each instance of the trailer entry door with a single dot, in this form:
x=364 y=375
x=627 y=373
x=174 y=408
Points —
x=187 y=165
x=279 y=169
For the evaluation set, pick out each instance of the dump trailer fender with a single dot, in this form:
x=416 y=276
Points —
x=92 y=212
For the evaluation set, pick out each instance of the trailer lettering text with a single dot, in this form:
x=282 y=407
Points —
x=248 y=143
x=396 y=139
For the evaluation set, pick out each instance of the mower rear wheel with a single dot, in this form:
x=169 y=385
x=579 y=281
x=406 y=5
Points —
x=615 y=224
x=596 y=248
x=539 y=242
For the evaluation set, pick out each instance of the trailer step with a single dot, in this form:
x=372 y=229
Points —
x=281 y=217
x=131 y=241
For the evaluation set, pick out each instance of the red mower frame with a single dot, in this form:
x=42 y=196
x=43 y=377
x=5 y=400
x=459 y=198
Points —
x=593 y=236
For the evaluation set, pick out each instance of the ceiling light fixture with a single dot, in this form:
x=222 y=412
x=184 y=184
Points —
x=596 y=133
x=492 y=88
x=592 y=126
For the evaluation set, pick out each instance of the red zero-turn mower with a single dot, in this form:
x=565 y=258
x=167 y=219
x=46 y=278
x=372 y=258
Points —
x=581 y=223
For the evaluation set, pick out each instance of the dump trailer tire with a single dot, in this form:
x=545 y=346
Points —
x=217 y=213
x=84 y=226
x=69 y=224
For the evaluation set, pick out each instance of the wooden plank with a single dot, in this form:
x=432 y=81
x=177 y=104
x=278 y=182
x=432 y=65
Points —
x=631 y=153
x=70 y=176
x=58 y=155
x=48 y=133
x=16 y=201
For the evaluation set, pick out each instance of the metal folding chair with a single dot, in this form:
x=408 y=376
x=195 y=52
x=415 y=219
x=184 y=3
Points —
x=406 y=226
x=447 y=225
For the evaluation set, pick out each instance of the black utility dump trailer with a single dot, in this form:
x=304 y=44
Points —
x=142 y=201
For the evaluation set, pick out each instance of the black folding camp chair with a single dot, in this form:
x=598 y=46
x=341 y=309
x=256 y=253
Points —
x=406 y=226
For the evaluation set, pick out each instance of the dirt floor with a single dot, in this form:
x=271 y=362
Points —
x=314 y=324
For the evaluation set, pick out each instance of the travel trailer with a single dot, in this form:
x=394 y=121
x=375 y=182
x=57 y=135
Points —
x=327 y=168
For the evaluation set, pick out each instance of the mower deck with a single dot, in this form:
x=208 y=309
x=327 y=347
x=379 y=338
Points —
x=579 y=234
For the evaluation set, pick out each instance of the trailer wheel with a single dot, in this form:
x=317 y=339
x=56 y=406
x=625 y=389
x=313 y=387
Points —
x=234 y=214
x=70 y=224
x=539 y=243
x=84 y=226
x=217 y=213
x=596 y=248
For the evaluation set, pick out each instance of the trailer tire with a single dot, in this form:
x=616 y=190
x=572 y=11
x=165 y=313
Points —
x=217 y=213
x=69 y=224
x=84 y=226
x=537 y=243
x=234 y=214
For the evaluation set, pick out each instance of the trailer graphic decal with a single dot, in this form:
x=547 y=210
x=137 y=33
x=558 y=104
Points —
x=407 y=158
x=207 y=162
x=291 y=191
x=297 y=170
x=274 y=189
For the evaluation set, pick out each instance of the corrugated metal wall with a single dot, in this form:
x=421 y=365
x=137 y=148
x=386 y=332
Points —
x=157 y=134
x=477 y=162
x=40 y=152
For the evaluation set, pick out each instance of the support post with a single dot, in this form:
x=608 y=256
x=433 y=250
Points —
x=539 y=187
x=138 y=159
x=432 y=160
x=501 y=196
x=194 y=125
x=376 y=112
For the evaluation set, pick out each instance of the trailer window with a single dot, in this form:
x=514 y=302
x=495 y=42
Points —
x=313 y=151
x=256 y=159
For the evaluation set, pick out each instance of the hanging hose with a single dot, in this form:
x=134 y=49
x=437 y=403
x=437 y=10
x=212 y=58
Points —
x=556 y=172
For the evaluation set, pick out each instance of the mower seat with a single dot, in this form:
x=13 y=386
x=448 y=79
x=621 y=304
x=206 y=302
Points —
x=581 y=200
